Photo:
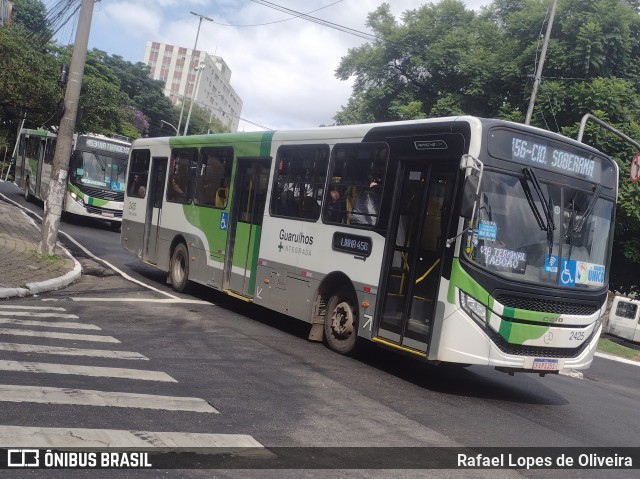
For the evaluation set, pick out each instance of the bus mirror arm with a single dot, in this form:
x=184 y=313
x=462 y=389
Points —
x=471 y=192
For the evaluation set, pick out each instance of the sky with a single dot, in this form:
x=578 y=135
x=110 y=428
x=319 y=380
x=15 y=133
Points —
x=284 y=72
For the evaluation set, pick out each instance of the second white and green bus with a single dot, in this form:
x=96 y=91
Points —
x=97 y=170
x=459 y=240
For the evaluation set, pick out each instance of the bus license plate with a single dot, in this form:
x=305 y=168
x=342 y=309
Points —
x=545 y=364
x=108 y=215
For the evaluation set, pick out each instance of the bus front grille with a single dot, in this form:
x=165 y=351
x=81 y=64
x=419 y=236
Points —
x=537 y=351
x=100 y=193
x=104 y=212
x=547 y=305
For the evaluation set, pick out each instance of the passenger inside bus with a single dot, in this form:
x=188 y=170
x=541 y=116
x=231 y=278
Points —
x=367 y=206
x=336 y=206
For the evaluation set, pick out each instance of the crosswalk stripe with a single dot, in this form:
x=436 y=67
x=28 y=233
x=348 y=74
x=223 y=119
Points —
x=40 y=437
x=35 y=308
x=95 y=371
x=49 y=324
x=85 y=397
x=55 y=335
x=38 y=315
x=96 y=353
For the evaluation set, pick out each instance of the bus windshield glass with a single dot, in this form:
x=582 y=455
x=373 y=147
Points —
x=98 y=170
x=541 y=233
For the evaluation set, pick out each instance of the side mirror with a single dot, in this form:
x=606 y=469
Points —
x=469 y=195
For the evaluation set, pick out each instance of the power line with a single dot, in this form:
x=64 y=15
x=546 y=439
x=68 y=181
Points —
x=319 y=21
x=277 y=21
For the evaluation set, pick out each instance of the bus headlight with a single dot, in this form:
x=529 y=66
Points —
x=473 y=308
x=76 y=198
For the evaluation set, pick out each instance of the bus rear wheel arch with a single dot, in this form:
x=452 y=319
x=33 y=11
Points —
x=341 y=322
x=179 y=268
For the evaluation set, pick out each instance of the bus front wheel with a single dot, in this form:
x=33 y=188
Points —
x=179 y=269
x=341 y=323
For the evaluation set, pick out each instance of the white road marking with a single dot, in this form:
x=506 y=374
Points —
x=141 y=300
x=40 y=437
x=616 y=358
x=54 y=335
x=96 y=353
x=94 y=371
x=38 y=315
x=35 y=308
x=86 y=251
x=84 y=397
x=50 y=324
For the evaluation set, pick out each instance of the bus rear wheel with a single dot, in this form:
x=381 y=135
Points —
x=179 y=268
x=341 y=323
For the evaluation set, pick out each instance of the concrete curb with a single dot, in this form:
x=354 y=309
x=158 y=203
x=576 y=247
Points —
x=6 y=293
x=59 y=282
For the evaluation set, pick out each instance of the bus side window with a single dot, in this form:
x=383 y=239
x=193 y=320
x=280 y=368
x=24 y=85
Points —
x=357 y=179
x=183 y=160
x=212 y=177
x=299 y=179
x=138 y=173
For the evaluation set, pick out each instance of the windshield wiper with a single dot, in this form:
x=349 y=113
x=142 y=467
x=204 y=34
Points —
x=578 y=227
x=529 y=176
x=546 y=224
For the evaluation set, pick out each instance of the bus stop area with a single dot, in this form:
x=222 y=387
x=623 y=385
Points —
x=23 y=271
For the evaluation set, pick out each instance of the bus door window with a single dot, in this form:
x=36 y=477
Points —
x=213 y=176
x=299 y=181
x=356 y=184
x=181 y=169
x=138 y=173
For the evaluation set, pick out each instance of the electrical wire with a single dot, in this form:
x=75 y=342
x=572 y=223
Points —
x=319 y=21
x=277 y=21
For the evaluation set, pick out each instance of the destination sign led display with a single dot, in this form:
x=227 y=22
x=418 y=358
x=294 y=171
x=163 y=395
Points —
x=537 y=152
x=102 y=144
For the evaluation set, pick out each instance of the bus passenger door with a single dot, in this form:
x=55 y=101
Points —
x=153 y=214
x=416 y=247
x=248 y=200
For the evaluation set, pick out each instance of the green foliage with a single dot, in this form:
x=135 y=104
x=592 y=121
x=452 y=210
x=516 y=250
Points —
x=444 y=59
x=30 y=15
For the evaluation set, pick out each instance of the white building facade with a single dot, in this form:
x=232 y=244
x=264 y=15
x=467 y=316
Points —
x=176 y=67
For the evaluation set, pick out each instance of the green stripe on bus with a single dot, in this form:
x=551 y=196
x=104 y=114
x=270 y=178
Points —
x=518 y=333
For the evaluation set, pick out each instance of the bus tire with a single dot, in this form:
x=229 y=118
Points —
x=341 y=323
x=179 y=268
x=27 y=195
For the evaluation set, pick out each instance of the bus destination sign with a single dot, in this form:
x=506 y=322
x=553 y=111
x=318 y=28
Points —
x=535 y=151
x=348 y=243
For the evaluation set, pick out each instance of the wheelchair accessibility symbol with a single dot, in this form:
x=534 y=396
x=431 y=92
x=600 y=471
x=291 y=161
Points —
x=224 y=220
x=567 y=273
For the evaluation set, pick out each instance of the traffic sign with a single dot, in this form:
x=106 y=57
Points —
x=634 y=173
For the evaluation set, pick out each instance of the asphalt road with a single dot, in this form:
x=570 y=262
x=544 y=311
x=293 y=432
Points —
x=266 y=382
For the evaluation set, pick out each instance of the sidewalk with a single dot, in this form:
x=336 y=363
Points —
x=23 y=271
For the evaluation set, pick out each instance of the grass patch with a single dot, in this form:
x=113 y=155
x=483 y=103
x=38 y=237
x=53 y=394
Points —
x=610 y=347
x=49 y=258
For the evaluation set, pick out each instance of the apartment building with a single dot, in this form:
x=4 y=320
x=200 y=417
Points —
x=188 y=73
x=5 y=12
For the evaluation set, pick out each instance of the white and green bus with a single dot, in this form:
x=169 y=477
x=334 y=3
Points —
x=459 y=240
x=97 y=170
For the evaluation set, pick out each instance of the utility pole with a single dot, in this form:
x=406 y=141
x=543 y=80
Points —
x=59 y=173
x=536 y=81
x=195 y=45
x=198 y=70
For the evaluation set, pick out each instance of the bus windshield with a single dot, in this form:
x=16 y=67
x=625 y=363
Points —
x=97 y=170
x=541 y=233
